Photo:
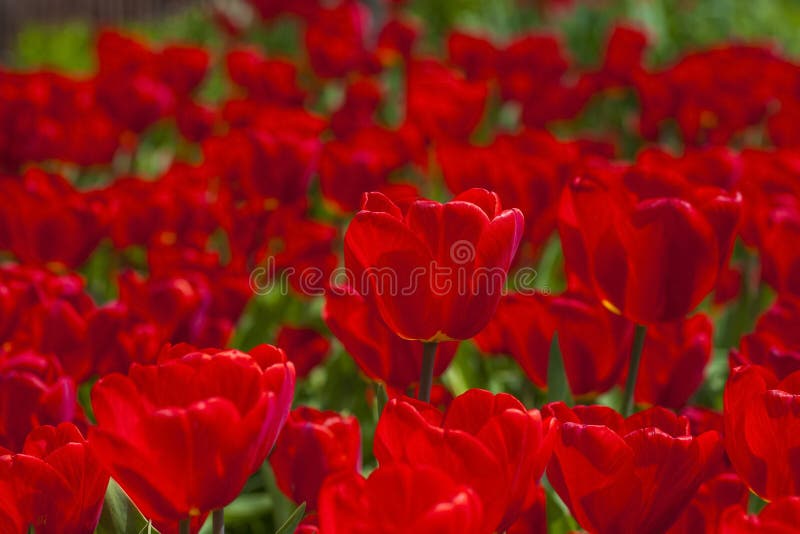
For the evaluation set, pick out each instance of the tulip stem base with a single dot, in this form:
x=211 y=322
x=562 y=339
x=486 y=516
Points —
x=426 y=378
x=639 y=334
x=184 y=526
x=218 y=521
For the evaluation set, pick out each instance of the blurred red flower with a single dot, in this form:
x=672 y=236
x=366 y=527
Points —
x=312 y=446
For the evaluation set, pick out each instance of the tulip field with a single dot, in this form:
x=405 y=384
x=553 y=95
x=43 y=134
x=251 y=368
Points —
x=403 y=267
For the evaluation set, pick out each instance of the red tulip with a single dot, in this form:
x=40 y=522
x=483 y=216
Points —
x=399 y=498
x=446 y=263
x=713 y=500
x=778 y=517
x=441 y=103
x=46 y=219
x=476 y=56
x=359 y=164
x=489 y=442
x=673 y=361
x=775 y=344
x=56 y=484
x=762 y=430
x=594 y=342
x=311 y=447
x=305 y=347
x=651 y=244
x=380 y=353
x=267 y=80
x=182 y=437
x=33 y=391
x=627 y=475
x=334 y=39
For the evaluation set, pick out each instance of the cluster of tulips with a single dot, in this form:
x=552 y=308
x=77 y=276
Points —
x=126 y=273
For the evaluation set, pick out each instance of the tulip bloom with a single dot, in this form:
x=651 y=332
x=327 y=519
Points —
x=627 y=475
x=594 y=342
x=182 y=437
x=489 y=442
x=55 y=484
x=305 y=347
x=762 y=430
x=445 y=264
x=775 y=344
x=778 y=517
x=397 y=499
x=380 y=353
x=673 y=360
x=312 y=446
x=33 y=392
x=713 y=500
x=650 y=244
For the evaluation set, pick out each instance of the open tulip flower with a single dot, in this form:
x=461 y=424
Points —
x=627 y=475
x=650 y=244
x=435 y=273
x=762 y=430
x=182 y=436
x=55 y=485
x=490 y=442
x=398 y=499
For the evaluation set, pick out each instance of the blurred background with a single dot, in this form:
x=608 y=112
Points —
x=58 y=33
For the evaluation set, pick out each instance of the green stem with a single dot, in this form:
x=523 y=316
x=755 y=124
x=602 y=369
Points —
x=218 y=521
x=426 y=378
x=184 y=526
x=633 y=368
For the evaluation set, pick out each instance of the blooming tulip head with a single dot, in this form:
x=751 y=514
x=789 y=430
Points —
x=399 y=498
x=627 y=475
x=762 y=430
x=312 y=446
x=650 y=244
x=55 y=484
x=436 y=272
x=490 y=442
x=181 y=437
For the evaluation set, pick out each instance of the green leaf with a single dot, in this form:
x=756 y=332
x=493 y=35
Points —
x=291 y=524
x=120 y=516
x=557 y=384
x=559 y=520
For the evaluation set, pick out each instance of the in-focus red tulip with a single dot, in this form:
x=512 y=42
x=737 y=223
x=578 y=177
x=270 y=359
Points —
x=437 y=272
x=651 y=244
x=56 y=484
x=627 y=475
x=181 y=437
x=312 y=446
x=778 y=517
x=489 y=442
x=673 y=361
x=33 y=391
x=399 y=498
x=305 y=347
x=380 y=353
x=594 y=342
x=762 y=430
